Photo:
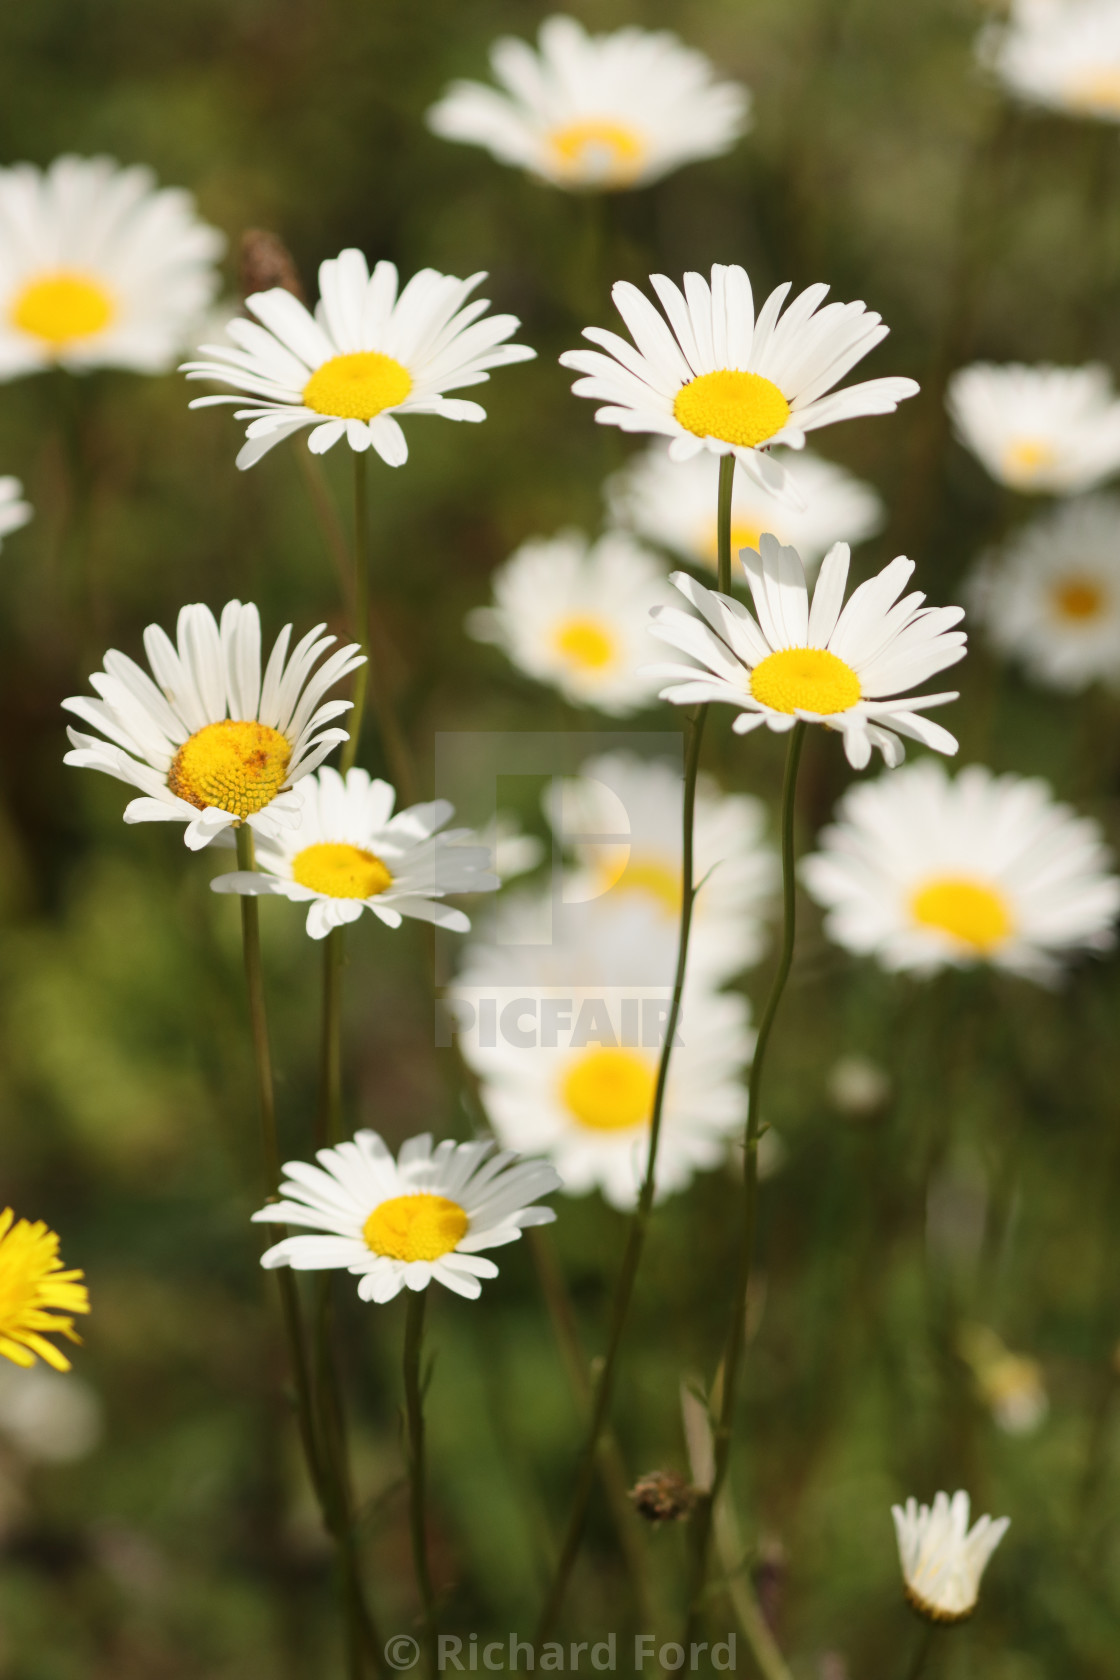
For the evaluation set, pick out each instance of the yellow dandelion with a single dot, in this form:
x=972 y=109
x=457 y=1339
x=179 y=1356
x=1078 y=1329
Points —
x=34 y=1290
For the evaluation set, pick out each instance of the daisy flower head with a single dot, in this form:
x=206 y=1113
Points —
x=404 y=1223
x=674 y=505
x=349 y=853
x=1051 y=597
x=1064 y=54
x=924 y=872
x=1039 y=430
x=99 y=267
x=363 y=358
x=575 y=616
x=209 y=742
x=847 y=666
x=710 y=375
x=14 y=511
x=599 y=113
x=942 y=1558
x=37 y=1295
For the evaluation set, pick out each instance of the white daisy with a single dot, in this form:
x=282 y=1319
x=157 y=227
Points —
x=1064 y=54
x=575 y=616
x=1051 y=598
x=942 y=1559
x=1010 y=1385
x=674 y=504
x=403 y=1224
x=622 y=819
x=364 y=357
x=924 y=872
x=349 y=853
x=14 y=511
x=98 y=267
x=208 y=743
x=598 y=112
x=1040 y=429
x=845 y=666
x=716 y=378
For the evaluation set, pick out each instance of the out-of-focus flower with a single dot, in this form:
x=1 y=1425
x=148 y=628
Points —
x=49 y=1418
x=510 y=851
x=37 y=1296
x=640 y=803
x=404 y=1223
x=209 y=743
x=265 y=262
x=925 y=872
x=674 y=504
x=1010 y=1385
x=1064 y=54
x=663 y=1496
x=1047 y=430
x=858 y=1086
x=575 y=616
x=708 y=375
x=349 y=853
x=364 y=357
x=596 y=112
x=98 y=267
x=1051 y=597
x=942 y=1558
x=14 y=511
x=846 y=666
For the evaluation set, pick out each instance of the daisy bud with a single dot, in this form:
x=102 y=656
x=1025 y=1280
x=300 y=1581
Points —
x=663 y=1496
x=265 y=262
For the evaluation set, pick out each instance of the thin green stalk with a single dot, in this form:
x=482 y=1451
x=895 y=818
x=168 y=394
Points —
x=723 y=523
x=361 y=606
x=414 y=1413
x=921 y=1652
x=328 y=1117
x=736 y=1329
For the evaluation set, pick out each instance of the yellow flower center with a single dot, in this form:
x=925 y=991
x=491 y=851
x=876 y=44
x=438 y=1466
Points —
x=237 y=767
x=742 y=536
x=584 y=642
x=805 y=680
x=740 y=408
x=340 y=871
x=609 y=1090
x=357 y=386
x=598 y=151
x=1079 y=598
x=1096 y=90
x=969 y=911
x=418 y=1227
x=1024 y=459
x=32 y=1282
x=647 y=874
x=61 y=307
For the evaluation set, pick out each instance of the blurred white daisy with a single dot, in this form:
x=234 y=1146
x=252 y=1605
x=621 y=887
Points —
x=349 y=853
x=596 y=112
x=209 y=743
x=99 y=267
x=14 y=511
x=1048 y=430
x=364 y=357
x=925 y=872
x=622 y=819
x=713 y=377
x=1010 y=1385
x=1064 y=54
x=1051 y=597
x=575 y=616
x=674 y=504
x=848 y=667
x=48 y=1417
x=942 y=1558
x=403 y=1224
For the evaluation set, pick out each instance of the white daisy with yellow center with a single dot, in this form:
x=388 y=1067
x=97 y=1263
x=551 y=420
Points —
x=1051 y=597
x=596 y=112
x=846 y=666
x=14 y=511
x=364 y=357
x=210 y=742
x=923 y=872
x=99 y=267
x=349 y=853
x=575 y=616
x=1064 y=54
x=710 y=375
x=1039 y=430
x=403 y=1224
x=673 y=504
x=943 y=1559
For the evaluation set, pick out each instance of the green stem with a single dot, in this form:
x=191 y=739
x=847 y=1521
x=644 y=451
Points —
x=414 y=1412
x=361 y=606
x=723 y=523
x=328 y=1118
x=736 y=1329
x=921 y=1652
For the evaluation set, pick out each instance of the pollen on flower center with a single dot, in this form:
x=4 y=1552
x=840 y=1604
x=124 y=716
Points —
x=805 y=680
x=340 y=871
x=236 y=766
x=647 y=874
x=1096 y=90
x=598 y=151
x=609 y=1090
x=740 y=408
x=417 y=1227
x=1026 y=457
x=62 y=307
x=970 y=911
x=357 y=386
x=585 y=643
x=1079 y=598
